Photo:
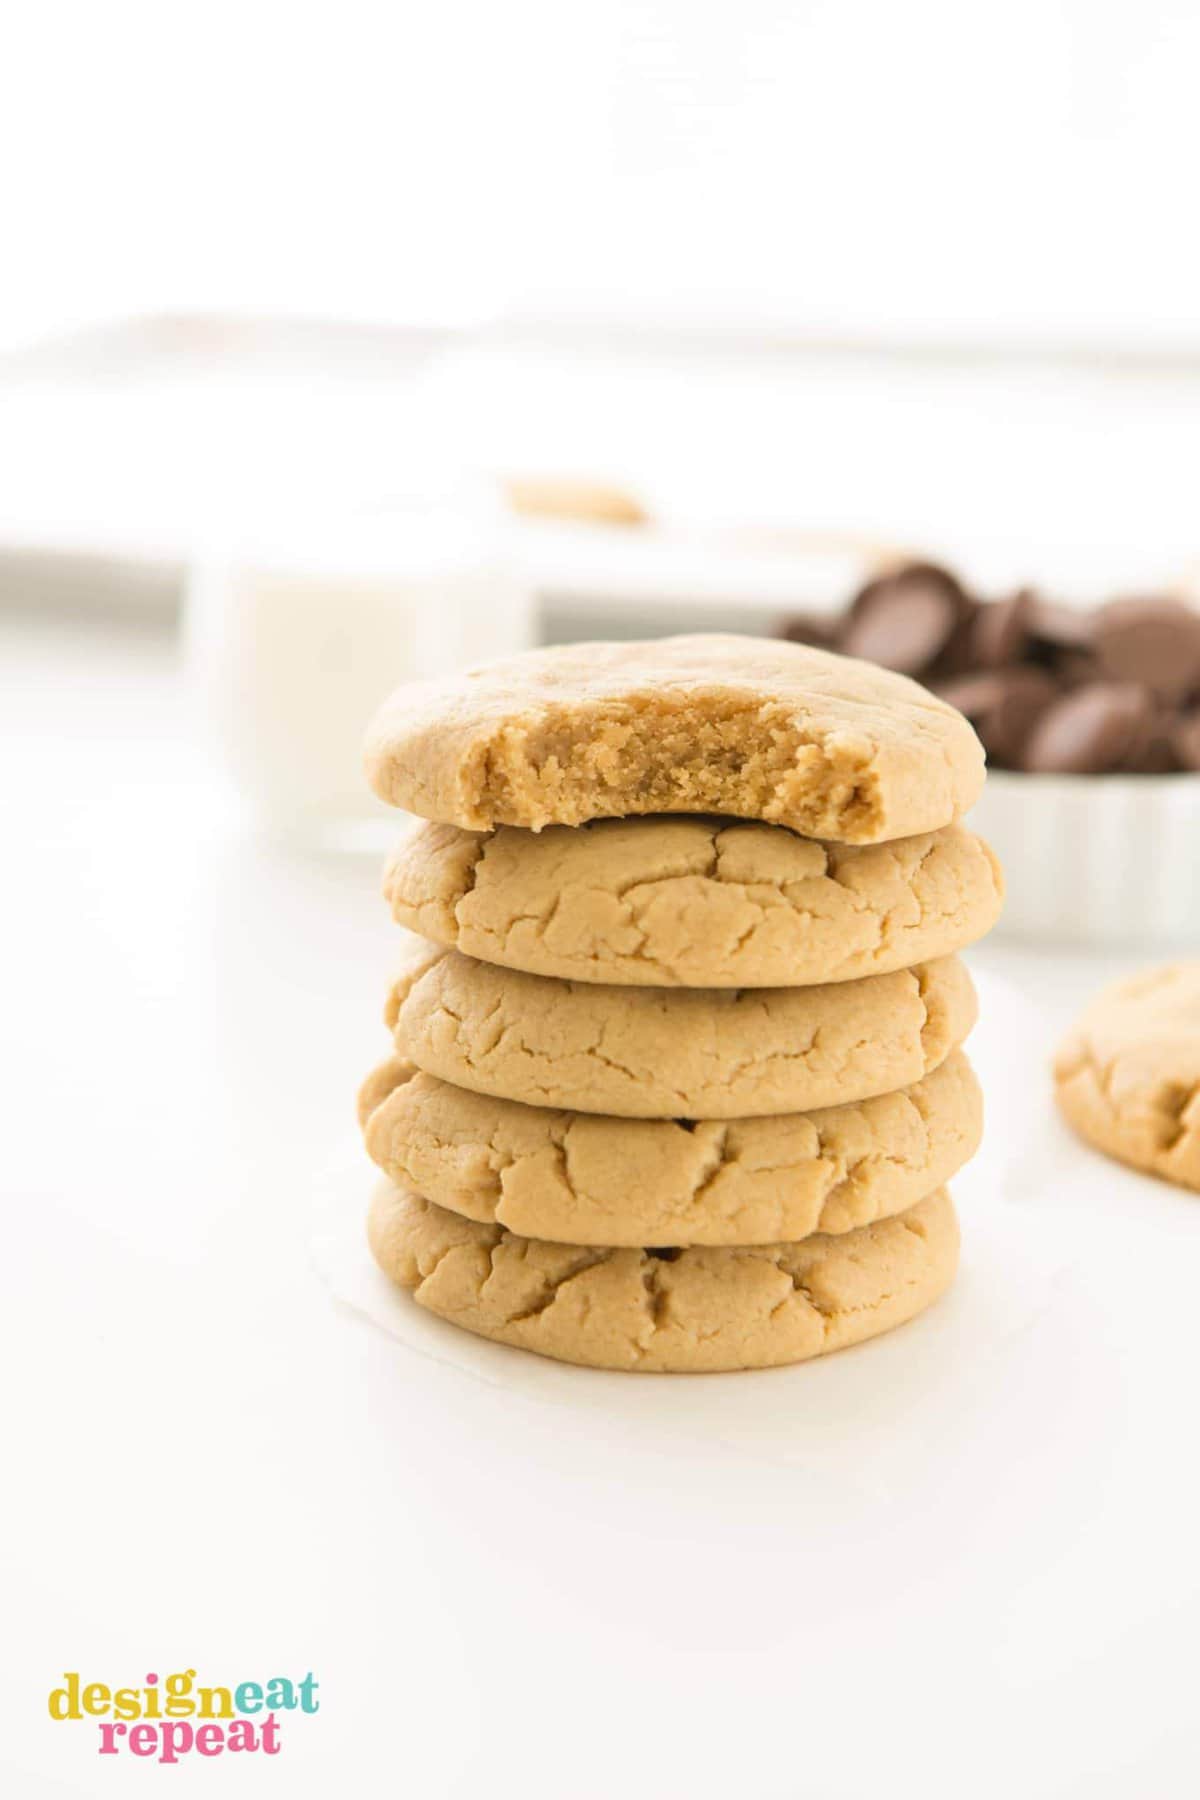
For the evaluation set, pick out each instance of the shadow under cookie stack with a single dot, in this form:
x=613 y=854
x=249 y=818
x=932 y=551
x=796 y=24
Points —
x=678 y=1077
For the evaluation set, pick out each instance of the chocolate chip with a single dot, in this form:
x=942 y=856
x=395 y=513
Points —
x=1089 y=731
x=1074 y=668
x=1185 y=740
x=905 y=620
x=1047 y=686
x=973 y=695
x=1153 y=641
x=1155 y=755
x=1004 y=705
x=1061 y=627
x=1027 y=694
x=957 y=656
x=821 y=629
x=1154 y=752
x=1000 y=629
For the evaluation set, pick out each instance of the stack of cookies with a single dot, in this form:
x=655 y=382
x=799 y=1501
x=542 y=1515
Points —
x=678 y=1078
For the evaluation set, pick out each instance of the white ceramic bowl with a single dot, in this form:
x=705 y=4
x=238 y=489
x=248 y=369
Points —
x=1096 y=859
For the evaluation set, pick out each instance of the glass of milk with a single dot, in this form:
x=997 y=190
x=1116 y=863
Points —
x=295 y=636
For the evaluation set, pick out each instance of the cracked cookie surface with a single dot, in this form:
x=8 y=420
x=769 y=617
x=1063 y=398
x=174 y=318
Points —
x=689 y=1310
x=749 y=727
x=1127 y=1076
x=676 y=1053
x=665 y=902
x=584 y=1178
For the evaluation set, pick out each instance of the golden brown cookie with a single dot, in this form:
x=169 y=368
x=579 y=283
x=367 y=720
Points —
x=676 y=1053
x=589 y=502
x=750 y=727
x=585 y=1178
x=678 y=902
x=1127 y=1076
x=684 y=1310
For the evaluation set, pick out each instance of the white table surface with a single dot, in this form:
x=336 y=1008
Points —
x=211 y=1465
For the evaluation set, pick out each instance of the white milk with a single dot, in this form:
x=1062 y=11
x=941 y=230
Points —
x=293 y=643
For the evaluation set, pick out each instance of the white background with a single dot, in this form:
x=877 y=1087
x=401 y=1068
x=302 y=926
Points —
x=923 y=271
x=925 y=171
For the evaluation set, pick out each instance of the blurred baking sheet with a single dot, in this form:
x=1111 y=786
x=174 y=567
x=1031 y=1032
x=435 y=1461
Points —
x=126 y=448
x=134 y=444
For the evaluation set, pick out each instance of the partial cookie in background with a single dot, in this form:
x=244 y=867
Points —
x=712 y=724
x=684 y=1310
x=1127 y=1077
x=585 y=1178
x=660 y=902
x=693 y=1053
x=586 y=502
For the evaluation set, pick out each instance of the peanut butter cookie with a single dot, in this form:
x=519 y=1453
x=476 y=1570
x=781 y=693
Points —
x=682 y=1310
x=585 y=1178
x=1127 y=1077
x=680 y=902
x=743 y=726
x=676 y=1053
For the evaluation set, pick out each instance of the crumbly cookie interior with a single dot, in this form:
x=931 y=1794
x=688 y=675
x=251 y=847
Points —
x=658 y=752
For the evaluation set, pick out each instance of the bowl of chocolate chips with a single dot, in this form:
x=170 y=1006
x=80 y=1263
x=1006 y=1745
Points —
x=1090 y=718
